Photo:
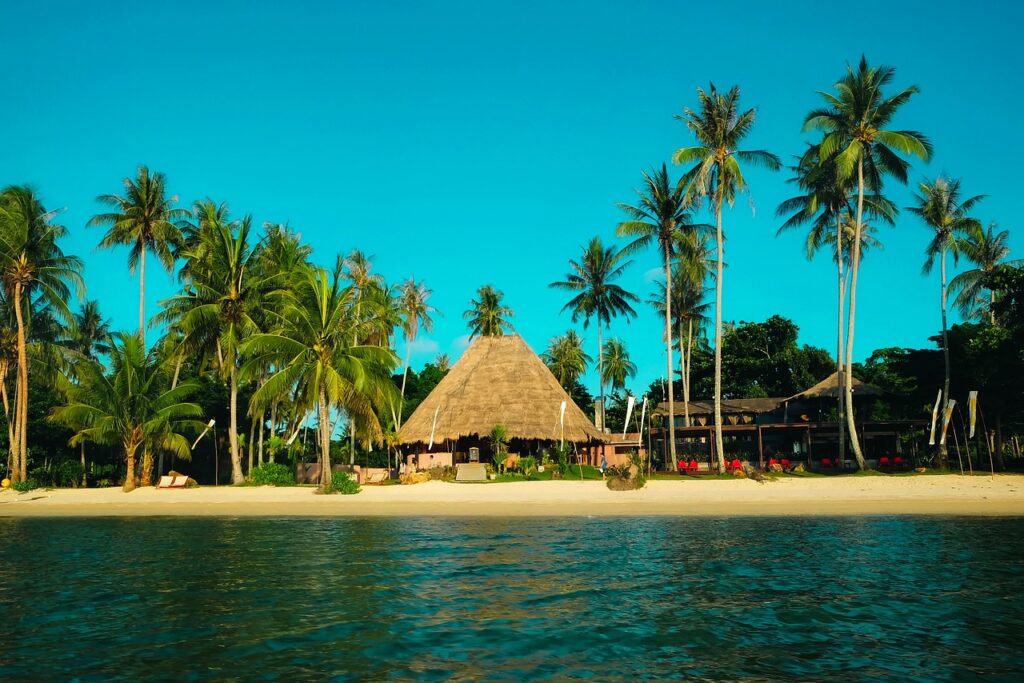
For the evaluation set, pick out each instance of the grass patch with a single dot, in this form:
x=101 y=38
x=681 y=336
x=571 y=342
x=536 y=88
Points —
x=573 y=472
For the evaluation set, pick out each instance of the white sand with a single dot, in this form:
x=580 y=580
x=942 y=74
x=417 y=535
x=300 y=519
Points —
x=930 y=495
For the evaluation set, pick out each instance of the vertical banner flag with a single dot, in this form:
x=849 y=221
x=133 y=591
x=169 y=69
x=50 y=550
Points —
x=433 y=426
x=643 y=416
x=561 y=422
x=935 y=416
x=972 y=404
x=946 y=418
x=629 y=411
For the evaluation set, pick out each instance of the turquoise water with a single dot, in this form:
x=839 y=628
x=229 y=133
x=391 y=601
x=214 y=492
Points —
x=620 y=599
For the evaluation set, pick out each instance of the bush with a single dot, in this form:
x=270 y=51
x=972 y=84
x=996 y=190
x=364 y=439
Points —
x=342 y=482
x=25 y=486
x=527 y=464
x=272 y=474
x=442 y=473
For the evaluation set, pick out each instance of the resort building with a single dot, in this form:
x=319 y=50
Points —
x=799 y=428
x=497 y=381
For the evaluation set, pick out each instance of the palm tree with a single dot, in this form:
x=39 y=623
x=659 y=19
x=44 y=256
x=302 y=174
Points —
x=662 y=215
x=939 y=205
x=617 y=365
x=311 y=346
x=566 y=358
x=825 y=205
x=33 y=269
x=130 y=406
x=719 y=128
x=597 y=295
x=856 y=139
x=690 y=314
x=359 y=272
x=442 y=362
x=487 y=315
x=221 y=306
x=144 y=219
x=987 y=250
x=412 y=301
x=90 y=335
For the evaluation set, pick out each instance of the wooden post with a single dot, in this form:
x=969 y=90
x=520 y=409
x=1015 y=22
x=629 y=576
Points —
x=760 y=446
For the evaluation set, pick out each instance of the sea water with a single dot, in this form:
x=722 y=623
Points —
x=600 y=599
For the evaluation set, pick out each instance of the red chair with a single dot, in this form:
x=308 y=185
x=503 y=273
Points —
x=785 y=464
x=694 y=466
x=681 y=465
x=826 y=462
x=884 y=461
x=772 y=461
x=898 y=462
x=735 y=465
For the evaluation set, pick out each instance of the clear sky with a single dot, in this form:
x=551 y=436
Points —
x=465 y=143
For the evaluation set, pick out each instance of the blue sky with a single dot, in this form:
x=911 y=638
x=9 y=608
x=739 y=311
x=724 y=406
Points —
x=466 y=143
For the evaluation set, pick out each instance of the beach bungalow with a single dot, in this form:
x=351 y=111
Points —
x=798 y=428
x=497 y=381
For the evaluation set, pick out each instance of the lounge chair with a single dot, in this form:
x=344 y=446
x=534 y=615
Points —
x=169 y=482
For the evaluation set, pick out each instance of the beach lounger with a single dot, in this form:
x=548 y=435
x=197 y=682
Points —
x=169 y=482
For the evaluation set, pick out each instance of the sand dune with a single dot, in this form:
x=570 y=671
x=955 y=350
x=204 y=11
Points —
x=930 y=495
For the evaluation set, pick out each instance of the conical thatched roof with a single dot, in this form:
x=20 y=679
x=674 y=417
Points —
x=829 y=388
x=498 y=380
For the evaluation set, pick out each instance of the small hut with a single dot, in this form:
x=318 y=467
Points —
x=498 y=381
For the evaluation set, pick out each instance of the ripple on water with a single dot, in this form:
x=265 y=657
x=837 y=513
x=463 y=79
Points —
x=511 y=599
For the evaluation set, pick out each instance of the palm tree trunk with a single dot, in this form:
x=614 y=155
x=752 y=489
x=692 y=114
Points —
x=129 y=454
x=262 y=430
x=668 y=353
x=8 y=418
x=991 y=306
x=146 y=473
x=855 y=270
x=405 y=374
x=236 y=459
x=841 y=286
x=85 y=480
x=177 y=370
x=719 y=447
x=600 y=371
x=21 y=456
x=943 y=453
x=273 y=425
x=325 y=442
x=142 y=297
x=250 y=445
x=684 y=342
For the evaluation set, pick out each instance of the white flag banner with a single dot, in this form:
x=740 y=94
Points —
x=643 y=416
x=433 y=426
x=972 y=404
x=935 y=417
x=561 y=422
x=629 y=411
x=946 y=417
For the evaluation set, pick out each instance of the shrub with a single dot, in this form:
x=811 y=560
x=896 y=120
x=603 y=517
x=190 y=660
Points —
x=342 y=482
x=527 y=464
x=272 y=474
x=442 y=473
x=25 y=486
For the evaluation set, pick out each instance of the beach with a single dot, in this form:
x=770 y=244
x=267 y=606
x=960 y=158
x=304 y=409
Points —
x=830 y=496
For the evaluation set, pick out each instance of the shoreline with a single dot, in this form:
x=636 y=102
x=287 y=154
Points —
x=949 y=495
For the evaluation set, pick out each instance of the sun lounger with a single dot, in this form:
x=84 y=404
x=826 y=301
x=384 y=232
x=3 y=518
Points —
x=169 y=482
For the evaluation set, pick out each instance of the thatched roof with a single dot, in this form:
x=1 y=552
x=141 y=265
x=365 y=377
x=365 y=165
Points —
x=498 y=380
x=730 y=406
x=829 y=388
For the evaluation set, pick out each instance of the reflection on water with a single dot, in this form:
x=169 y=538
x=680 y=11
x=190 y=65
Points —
x=511 y=599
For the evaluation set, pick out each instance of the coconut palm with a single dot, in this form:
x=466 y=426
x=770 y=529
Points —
x=662 y=216
x=412 y=302
x=487 y=315
x=592 y=278
x=719 y=127
x=34 y=271
x=825 y=205
x=940 y=206
x=987 y=250
x=312 y=347
x=131 y=405
x=617 y=365
x=144 y=219
x=220 y=307
x=442 y=362
x=566 y=358
x=90 y=335
x=857 y=140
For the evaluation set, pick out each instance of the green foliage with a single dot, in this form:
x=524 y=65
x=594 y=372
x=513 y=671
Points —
x=573 y=472
x=272 y=474
x=25 y=486
x=527 y=465
x=487 y=315
x=343 y=483
x=442 y=473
